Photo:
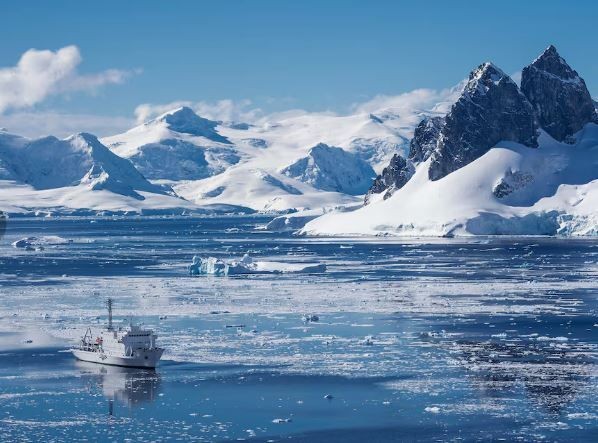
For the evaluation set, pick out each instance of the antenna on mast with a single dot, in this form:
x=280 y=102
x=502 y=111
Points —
x=109 y=303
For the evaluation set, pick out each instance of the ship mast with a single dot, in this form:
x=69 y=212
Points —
x=109 y=303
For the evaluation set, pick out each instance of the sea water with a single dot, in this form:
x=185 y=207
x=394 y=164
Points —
x=425 y=339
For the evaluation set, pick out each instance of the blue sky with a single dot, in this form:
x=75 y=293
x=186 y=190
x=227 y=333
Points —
x=313 y=55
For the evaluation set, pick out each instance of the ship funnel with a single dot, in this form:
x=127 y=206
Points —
x=109 y=303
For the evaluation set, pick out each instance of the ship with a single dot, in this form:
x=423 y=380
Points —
x=131 y=347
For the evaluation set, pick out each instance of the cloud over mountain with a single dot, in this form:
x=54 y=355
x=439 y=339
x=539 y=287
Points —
x=42 y=73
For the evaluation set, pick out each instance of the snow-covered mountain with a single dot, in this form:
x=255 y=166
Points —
x=332 y=169
x=290 y=161
x=178 y=145
x=487 y=157
x=75 y=173
x=503 y=161
x=298 y=161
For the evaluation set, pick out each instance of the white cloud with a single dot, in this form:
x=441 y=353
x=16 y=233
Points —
x=221 y=110
x=411 y=102
x=40 y=74
x=440 y=100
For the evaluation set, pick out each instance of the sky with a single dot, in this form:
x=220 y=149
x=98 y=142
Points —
x=113 y=63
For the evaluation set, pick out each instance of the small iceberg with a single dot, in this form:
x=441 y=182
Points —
x=38 y=243
x=210 y=265
x=246 y=265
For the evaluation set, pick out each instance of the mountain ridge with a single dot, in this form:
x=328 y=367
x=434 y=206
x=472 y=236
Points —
x=511 y=164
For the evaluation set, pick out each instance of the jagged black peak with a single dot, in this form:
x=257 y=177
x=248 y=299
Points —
x=551 y=61
x=425 y=138
x=491 y=109
x=393 y=177
x=485 y=75
x=561 y=100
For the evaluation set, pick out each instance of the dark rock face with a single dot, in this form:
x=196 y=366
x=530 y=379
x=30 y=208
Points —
x=511 y=182
x=558 y=94
x=425 y=139
x=393 y=177
x=490 y=109
x=399 y=171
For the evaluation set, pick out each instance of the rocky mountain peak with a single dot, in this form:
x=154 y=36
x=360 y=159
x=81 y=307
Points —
x=393 y=177
x=400 y=170
x=484 y=77
x=551 y=62
x=491 y=109
x=425 y=139
x=558 y=94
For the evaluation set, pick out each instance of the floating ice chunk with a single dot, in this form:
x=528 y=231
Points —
x=432 y=334
x=246 y=265
x=545 y=338
x=210 y=265
x=38 y=243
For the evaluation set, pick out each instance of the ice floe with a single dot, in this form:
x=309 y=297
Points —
x=38 y=243
x=246 y=265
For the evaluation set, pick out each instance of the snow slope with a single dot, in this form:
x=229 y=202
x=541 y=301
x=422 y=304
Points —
x=19 y=198
x=557 y=195
x=49 y=163
x=332 y=169
x=178 y=145
x=73 y=174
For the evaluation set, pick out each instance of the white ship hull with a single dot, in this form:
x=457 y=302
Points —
x=147 y=358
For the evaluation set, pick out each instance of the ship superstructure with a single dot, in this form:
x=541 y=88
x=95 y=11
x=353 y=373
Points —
x=132 y=346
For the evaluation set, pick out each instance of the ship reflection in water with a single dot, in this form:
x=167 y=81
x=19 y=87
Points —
x=130 y=387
